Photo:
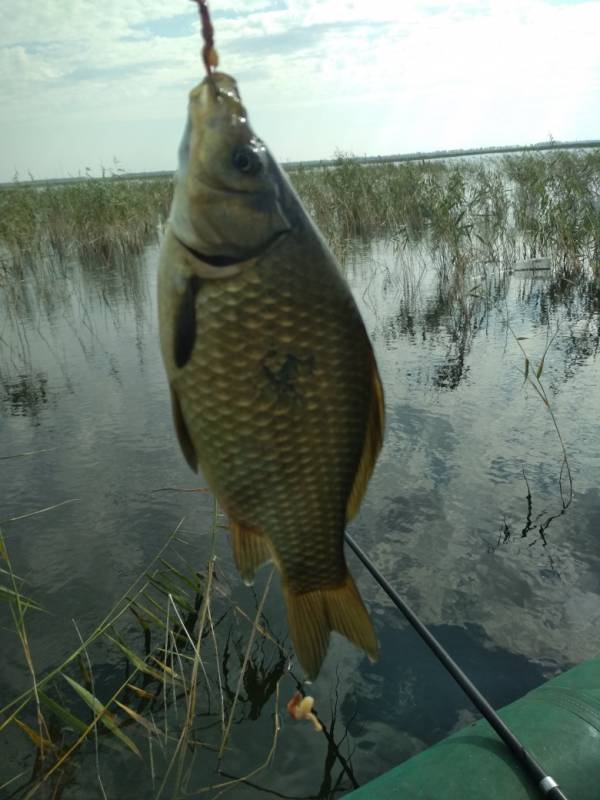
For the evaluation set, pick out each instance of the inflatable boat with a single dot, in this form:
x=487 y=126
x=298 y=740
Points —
x=558 y=723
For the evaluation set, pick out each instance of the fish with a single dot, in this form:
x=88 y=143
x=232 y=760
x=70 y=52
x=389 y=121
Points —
x=275 y=391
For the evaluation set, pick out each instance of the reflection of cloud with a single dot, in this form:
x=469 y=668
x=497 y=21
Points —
x=416 y=694
x=451 y=472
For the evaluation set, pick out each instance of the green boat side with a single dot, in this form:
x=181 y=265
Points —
x=559 y=723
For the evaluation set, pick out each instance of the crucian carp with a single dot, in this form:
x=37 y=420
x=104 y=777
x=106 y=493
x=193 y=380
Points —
x=275 y=391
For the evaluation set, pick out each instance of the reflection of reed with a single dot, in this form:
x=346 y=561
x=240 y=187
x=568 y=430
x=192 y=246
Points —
x=26 y=395
x=411 y=298
x=577 y=305
x=331 y=785
x=54 y=288
x=533 y=528
x=459 y=311
x=260 y=678
x=63 y=302
x=423 y=304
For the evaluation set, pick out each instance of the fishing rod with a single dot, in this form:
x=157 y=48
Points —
x=547 y=786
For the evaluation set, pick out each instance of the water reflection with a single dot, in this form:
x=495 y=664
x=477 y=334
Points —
x=62 y=300
x=406 y=290
x=532 y=528
x=423 y=701
x=465 y=513
x=26 y=395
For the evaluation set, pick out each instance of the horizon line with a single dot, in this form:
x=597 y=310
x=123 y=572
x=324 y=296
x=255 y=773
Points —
x=581 y=144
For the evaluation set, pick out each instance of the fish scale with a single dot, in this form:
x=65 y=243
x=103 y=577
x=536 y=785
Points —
x=289 y=456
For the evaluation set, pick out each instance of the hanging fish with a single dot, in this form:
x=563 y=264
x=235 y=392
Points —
x=275 y=391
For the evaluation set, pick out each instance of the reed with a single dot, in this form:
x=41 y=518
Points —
x=496 y=209
x=556 y=204
x=194 y=667
x=499 y=209
x=174 y=631
x=94 y=218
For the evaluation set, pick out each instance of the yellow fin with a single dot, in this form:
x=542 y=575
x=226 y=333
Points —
x=371 y=447
x=250 y=550
x=312 y=615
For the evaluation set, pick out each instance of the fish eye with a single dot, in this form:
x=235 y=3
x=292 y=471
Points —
x=246 y=160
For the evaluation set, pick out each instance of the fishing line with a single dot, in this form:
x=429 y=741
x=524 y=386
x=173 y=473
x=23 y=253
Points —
x=210 y=57
x=547 y=786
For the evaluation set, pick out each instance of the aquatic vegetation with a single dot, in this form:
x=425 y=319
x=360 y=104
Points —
x=355 y=200
x=193 y=664
x=487 y=210
x=556 y=203
x=490 y=209
x=175 y=666
x=92 y=218
x=142 y=654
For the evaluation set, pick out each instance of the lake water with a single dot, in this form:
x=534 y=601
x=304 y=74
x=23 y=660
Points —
x=465 y=515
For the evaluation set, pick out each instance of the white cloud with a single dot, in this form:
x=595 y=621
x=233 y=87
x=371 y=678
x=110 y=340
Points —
x=315 y=74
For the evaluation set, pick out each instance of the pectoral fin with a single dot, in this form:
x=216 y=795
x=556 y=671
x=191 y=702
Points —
x=183 y=435
x=185 y=323
x=371 y=447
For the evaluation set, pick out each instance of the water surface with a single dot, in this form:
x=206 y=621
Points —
x=466 y=513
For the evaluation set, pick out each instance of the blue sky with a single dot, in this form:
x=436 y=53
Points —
x=85 y=83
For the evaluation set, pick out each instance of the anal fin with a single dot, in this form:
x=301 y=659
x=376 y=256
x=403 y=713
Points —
x=250 y=550
x=312 y=615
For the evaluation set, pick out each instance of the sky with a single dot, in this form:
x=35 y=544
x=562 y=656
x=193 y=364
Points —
x=89 y=85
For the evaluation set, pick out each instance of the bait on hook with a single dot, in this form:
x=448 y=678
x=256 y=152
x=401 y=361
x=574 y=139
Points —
x=210 y=57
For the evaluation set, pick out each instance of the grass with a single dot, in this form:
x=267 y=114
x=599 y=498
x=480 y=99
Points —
x=176 y=674
x=503 y=209
x=195 y=665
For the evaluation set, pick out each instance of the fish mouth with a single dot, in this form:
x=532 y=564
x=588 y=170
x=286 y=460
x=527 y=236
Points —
x=224 y=260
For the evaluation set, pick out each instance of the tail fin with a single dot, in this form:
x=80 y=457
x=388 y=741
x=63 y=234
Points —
x=312 y=615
